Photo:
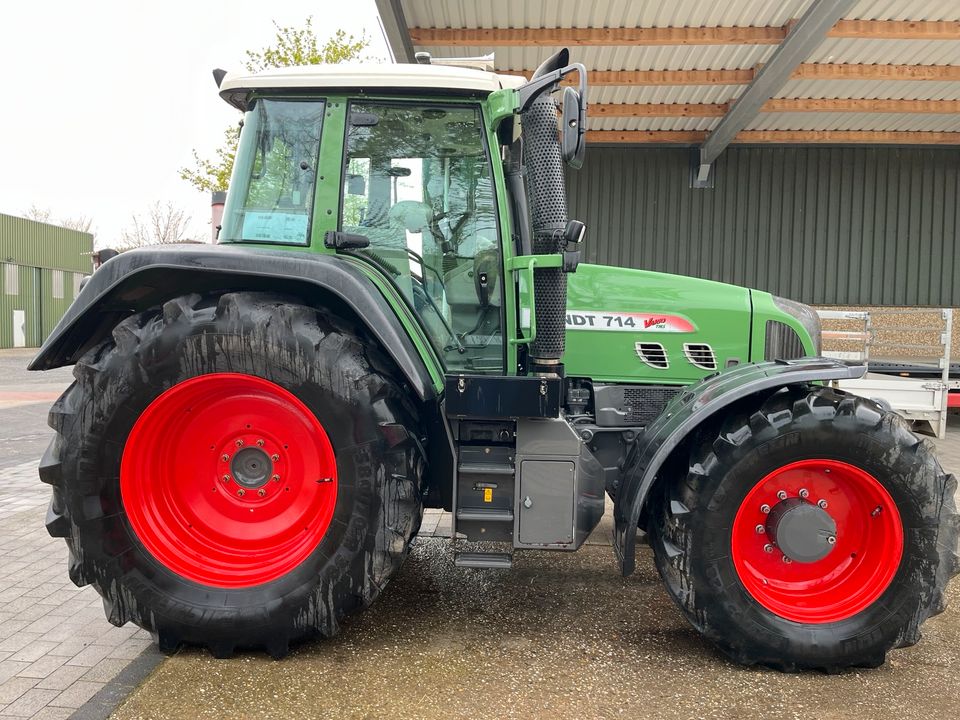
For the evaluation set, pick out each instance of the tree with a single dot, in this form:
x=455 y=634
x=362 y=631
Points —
x=163 y=224
x=81 y=223
x=291 y=46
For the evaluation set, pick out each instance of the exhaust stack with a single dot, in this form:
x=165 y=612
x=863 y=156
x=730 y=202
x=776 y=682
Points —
x=547 y=197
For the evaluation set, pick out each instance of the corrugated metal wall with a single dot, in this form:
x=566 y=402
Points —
x=825 y=225
x=35 y=252
x=36 y=244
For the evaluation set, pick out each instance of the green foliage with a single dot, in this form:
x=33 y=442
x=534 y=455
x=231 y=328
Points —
x=214 y=175
x=291 y=46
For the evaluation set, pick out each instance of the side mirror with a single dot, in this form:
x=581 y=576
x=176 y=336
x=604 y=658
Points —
x=573 y=143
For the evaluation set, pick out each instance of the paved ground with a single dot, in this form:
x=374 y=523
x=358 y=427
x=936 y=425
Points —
x=57 y=652
x=559 y=636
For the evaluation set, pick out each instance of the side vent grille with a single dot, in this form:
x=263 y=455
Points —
x=700 y=355
x=782 y=342
x=653 y=354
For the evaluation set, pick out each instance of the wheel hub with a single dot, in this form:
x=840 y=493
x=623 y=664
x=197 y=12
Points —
x=803 y=531
x=816 y=540
x=251 y=468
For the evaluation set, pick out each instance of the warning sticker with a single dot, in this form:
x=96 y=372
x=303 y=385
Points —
x=627 y=322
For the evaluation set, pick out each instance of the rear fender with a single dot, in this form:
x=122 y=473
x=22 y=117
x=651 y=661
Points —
x=139 y=279
x=688 y=411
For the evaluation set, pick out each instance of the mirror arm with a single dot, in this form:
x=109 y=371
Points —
x=530 y=91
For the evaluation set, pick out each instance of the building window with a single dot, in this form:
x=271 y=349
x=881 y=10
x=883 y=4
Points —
x=58 y=284
x=77 y=279
x=11 y=279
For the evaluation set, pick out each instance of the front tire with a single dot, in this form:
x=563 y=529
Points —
x=234 y=471
x=813 y=532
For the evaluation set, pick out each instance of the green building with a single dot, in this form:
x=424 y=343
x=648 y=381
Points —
x=41 y=267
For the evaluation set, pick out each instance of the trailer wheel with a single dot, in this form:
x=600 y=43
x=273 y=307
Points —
x=234 y=472
x=816 y=532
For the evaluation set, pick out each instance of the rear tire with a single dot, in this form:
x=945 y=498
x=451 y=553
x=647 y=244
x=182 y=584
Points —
x=115 y=493
x=884 y=570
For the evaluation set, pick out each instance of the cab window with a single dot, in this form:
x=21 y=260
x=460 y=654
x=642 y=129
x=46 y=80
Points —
x=274 y=174
x=418 y=184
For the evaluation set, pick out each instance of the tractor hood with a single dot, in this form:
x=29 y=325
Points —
x=635 y=326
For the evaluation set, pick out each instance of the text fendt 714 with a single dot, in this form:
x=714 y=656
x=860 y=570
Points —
x=395 y=318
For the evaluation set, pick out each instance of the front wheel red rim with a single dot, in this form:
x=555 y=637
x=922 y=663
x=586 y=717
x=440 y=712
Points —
x=228 y=480
x=847 y=508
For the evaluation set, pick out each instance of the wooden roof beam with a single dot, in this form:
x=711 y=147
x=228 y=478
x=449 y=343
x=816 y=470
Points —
x=505 y=37
x=814 y=105
x=861 y=105
x=896 y=29
x=725 y=35
x=806 y=71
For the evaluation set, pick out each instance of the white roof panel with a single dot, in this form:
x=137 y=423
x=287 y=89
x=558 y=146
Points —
x=664 y=93
x=657 y=57
x=652 y=123
x=891 y=89
x=887 y=52
x=854 y=121
x=598 y=13
x=905 y=10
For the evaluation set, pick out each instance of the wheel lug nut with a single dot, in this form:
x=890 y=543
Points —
x=261 y=492
x=765 y=508
x=804 y=493
x=241 y=492
x=768 y=548
x=239 y=443
x=761 y=529
x=822 y=504
x=226 y=478
x=831 y=540
x=782 y=494
x=224 y=457
x=787 y=560
x=276 y=478
x=274 y=457
x=260 y=443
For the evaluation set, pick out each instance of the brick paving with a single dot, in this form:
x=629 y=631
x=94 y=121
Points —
x=56 y=649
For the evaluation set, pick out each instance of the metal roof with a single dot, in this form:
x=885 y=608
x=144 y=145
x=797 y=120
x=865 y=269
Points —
x=547 y=14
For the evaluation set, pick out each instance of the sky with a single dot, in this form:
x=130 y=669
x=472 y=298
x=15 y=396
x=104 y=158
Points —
x=104 y=100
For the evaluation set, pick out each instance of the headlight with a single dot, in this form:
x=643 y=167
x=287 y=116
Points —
x=807 y=317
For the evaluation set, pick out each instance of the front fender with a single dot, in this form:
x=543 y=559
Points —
x=687 y=411
x=146 y=277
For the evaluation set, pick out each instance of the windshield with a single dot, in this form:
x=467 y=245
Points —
x=418 y=185
x=274 y=175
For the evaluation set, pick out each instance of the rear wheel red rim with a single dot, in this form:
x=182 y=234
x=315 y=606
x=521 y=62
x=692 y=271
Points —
x=228 y=480
x=863 y=557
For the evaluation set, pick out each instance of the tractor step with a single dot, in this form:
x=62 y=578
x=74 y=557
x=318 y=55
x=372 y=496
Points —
x=497 y=561
x=485 y=468
x=485 y=514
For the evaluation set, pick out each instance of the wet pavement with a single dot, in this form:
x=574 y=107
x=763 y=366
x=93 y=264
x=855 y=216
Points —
x=559 y=636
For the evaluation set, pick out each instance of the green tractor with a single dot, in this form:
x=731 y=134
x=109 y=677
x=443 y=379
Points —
x=396 y=317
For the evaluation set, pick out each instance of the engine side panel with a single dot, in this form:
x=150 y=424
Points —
x=611 y=310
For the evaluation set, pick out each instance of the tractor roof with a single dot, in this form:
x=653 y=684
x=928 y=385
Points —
x=236 y=87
